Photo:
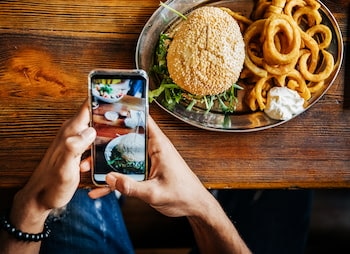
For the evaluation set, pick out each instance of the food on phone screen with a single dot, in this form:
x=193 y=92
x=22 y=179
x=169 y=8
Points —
x=110 y=90
x=111 y=115
x=135 y=119
x=128 y=154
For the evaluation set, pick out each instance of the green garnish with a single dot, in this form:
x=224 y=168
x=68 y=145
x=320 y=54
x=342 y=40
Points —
x=106 y=88
x=124 y=166
x=173 y=10
x=190 y=106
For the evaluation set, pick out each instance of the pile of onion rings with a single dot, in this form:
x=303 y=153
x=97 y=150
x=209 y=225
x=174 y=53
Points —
x=286 y=45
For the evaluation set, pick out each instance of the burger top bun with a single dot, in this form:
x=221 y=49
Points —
x=207 y=53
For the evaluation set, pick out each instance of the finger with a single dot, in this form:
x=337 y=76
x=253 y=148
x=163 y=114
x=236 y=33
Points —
x=99 y=192
x=83 y=114
x=79 y=143
x=85 y=165
x=128 y=186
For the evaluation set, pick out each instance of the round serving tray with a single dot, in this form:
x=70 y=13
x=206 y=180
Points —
x=243 y=121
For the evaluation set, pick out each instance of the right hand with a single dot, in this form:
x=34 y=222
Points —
x=171 y=188
x=175 y=191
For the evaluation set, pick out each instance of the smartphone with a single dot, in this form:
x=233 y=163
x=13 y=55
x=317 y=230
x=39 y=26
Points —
x=119 y=109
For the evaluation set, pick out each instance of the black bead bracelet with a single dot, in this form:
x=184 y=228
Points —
x=23 y=236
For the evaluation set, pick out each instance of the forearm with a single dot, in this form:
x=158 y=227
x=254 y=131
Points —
x=215 y=233
x=28 y=217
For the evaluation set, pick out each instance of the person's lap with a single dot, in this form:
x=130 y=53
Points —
x=88 y=226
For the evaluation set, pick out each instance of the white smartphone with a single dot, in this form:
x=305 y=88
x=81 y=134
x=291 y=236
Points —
x=119 y=109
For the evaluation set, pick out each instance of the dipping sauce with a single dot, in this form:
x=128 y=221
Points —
x=283 y=103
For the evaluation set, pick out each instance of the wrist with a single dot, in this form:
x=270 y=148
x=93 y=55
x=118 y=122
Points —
x=207 y=206
x=19 y=235
x=214 y=231
x=210 y=214
x=26 y=213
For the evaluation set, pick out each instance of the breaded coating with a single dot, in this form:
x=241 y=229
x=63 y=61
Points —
x=207 y=52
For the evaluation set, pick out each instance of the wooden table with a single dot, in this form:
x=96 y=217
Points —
x=47 y=49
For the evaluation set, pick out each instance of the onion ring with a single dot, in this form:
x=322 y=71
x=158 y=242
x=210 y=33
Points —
x=302 y=88
x=324 y=32
x=314 y=87
x=286 y=46
x=328 y=62
x=292 y=5
x=258 y=95
x=312 y=45
x=254 y=30
x=313 y=17
x=282 y=69
x=285 y=24
x=260 y=9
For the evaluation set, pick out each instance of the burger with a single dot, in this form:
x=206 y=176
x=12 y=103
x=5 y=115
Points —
x=206 y=53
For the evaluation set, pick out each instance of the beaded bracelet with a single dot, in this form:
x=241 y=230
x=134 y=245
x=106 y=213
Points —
x=23 y=236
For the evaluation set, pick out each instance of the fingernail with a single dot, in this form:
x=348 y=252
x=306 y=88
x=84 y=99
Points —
x=111 y=179
x=89 y=133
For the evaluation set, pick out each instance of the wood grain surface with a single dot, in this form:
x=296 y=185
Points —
x=47 y=49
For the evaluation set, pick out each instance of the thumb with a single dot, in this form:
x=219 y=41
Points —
x=126 y=185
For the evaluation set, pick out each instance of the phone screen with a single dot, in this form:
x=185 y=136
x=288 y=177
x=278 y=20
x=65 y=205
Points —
x=119 y=110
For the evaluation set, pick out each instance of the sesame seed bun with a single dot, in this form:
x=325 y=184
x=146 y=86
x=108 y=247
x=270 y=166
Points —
x=207 y=52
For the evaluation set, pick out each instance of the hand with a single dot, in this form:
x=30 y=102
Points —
x=55 y=180
x=174 y=190
x=171 y=187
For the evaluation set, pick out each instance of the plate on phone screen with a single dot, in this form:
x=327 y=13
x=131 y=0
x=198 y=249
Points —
x=126 y=154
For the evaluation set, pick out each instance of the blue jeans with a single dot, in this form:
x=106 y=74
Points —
x=88 y=226
x=270 y=221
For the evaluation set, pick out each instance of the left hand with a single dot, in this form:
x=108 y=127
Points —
x=55 y=180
